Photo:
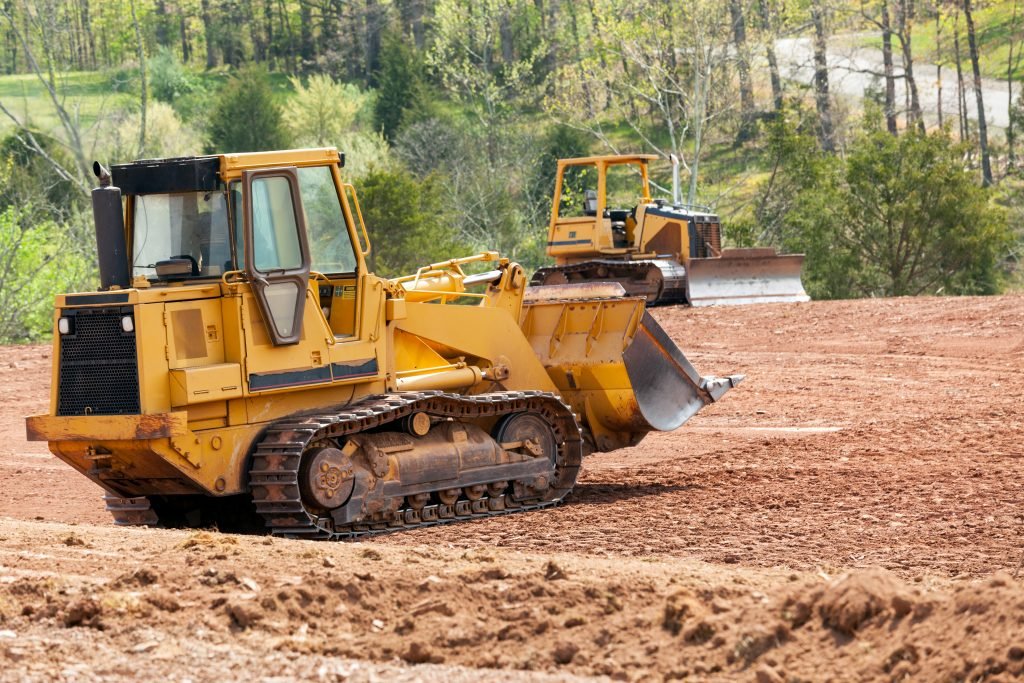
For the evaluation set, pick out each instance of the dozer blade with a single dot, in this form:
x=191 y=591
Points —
x=745 y=276
x=617 y=368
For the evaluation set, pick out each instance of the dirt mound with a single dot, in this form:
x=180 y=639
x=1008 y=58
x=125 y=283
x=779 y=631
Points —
x=861 y=596
x=626 y=619
x=855 y=501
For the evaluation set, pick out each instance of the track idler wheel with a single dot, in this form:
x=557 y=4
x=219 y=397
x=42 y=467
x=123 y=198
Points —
x=326 y=479
x=531 y=435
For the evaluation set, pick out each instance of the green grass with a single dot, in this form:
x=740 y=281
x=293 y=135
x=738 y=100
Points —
x=994 y=28
x=85 y=95
x=90 y=96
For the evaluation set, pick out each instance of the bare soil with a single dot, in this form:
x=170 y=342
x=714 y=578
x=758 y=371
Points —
x=850 y=512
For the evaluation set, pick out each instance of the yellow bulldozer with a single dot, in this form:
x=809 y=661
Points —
x=240 y=362
x=606 y=228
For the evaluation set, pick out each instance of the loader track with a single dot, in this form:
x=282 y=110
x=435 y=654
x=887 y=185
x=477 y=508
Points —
x=274 y=473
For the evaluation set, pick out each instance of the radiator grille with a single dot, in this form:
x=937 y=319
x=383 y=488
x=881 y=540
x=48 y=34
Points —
x=99 y=373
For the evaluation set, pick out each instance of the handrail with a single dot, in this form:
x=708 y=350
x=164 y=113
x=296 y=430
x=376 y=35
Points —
x=359 y=215
x=330 y=336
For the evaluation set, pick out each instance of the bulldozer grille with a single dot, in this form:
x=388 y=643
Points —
x=99 y=371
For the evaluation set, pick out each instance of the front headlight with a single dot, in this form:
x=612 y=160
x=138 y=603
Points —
x=127 y=324
x=64 y=326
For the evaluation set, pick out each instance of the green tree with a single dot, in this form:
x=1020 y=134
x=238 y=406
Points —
x=322 y=111
x=917 y=221
x=401 y=86
x=406 y=221
x=245 y=117
x=898 y=216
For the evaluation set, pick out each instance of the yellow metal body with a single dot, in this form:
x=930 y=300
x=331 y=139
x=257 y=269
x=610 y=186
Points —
x=211 y=380
x=578 y=238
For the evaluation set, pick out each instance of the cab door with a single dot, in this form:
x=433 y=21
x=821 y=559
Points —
x=276 y=251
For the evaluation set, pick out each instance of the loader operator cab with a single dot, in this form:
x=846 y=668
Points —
x=595 y=203
x=277 y=227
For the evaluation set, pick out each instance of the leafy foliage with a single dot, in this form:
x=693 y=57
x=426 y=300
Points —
x=401 y=87
x=168 y=77
x=322 y=110
x=246 y=116
x=899 y=216
x=406 y=221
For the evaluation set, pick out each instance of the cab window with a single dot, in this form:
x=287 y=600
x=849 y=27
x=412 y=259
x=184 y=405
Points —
x=190 y=226
x=275 y=234
x=624 y=186
x=329 y=243
x=579 y=192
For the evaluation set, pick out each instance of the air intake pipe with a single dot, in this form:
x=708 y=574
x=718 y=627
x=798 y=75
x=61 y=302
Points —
x=108 y=217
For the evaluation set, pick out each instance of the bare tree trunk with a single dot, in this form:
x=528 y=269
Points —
x=821 y=89
x=186 y=45
x=144 y=95
x=938 y=58
x=887 y=66
x=701 y=84
x=578 y=58
x=1011 y=133
x=305 y=31
x=268 y=30
x=87 y=27
x=739 y=37
x=374 y=26
x=411 y=15
x=961 y=91
x=208 y=31
x=768 y=26
x=906 y=22
x=285 y=24
x=972 y=42
x=162 y=38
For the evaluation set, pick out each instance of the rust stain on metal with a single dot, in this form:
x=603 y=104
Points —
x=105 y=427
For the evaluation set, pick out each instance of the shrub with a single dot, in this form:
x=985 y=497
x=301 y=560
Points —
x=406 y=221
x=168 y=77
x=245 y=116
x=322 y=111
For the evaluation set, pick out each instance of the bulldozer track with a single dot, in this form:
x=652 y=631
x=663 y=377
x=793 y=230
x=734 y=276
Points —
x=275 y=465
x=274 y=470
x=671 y=291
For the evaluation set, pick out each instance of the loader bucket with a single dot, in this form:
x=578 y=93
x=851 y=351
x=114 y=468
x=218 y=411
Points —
x=745 y=276
x=617 y=368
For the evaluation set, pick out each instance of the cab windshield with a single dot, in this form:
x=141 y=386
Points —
x=330 y=246
x=190 y=226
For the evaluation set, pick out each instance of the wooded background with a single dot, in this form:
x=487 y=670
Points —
x=452 y=113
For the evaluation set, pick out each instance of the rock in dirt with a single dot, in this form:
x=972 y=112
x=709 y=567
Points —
x=564 y=652
x=243 y=614
x=859 y=596
x=678 y=609
x=420 y=653
x=143 y=576
x=766 y=674
x=84 y=612
x=552 y=572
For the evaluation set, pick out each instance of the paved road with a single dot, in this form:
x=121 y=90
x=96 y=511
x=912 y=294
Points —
x=851 y=70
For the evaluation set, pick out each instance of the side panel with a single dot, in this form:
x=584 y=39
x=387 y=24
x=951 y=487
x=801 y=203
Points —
x=474 y=332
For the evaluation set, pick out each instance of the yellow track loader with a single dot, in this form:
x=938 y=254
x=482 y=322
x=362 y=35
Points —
x=240 y=362
x=606 y=228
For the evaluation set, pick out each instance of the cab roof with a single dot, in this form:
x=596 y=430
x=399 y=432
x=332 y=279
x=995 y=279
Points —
x=202 y=173
x=609 y=159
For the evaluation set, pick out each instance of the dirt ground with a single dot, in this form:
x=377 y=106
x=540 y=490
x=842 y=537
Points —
x=851 y=512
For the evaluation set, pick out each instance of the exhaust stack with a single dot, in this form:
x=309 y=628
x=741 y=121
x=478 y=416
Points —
x=111 y=246
x=677 y=193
